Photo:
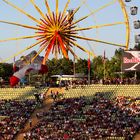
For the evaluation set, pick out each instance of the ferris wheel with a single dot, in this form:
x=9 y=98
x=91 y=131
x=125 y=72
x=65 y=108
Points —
x=53 y=27
x=132 y=8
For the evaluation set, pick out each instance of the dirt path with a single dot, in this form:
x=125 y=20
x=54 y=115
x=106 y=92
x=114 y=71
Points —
x=137 y=137
x=46 y=106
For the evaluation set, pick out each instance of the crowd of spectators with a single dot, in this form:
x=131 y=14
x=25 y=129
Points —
x=123 y=81
x=89 y=119
x=15 y=114
x=107 y=81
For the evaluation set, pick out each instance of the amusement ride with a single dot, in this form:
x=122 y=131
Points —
x=58 y=32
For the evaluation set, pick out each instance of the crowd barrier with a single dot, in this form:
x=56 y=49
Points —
x=20 y=93
x=108 y=90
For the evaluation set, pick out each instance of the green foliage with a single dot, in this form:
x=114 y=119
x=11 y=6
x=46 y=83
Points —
x=81 y=66
x=113 y=67
x=6 y=70
x=99 y=66
x=60 y=66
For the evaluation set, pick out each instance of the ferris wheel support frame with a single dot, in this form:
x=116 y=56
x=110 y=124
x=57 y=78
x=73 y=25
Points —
x=51 y=19
x=126 y=22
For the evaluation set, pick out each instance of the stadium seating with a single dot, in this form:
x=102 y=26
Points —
x=20 y=93
x=109 y=90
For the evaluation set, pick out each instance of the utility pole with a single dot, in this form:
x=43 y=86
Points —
x=74 y=71
x=135 y=78
x=89 y=68
x=122 y=65
x=104 y=59
x=70 y=19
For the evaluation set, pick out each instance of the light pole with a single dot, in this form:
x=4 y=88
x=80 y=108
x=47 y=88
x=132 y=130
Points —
x=104 y=65
x=89 y=68
x=121 y=65
x=70 y=19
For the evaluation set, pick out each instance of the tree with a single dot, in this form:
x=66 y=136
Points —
x=6 y=70
x=113 y=67
x=98 y=67
x=66 y=66
x=60 y=66
x=81 y=66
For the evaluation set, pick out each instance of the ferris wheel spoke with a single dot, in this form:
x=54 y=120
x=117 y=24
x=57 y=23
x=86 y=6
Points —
x=47 y=53
x=80 y=47
x=100 y=41
x=45 y=38
x=63 y=17
x=20 y=52
x=109 y=24
x=44 y=31
x=62 y=47
x=85 y=50
x=38 y=9
x=55 y=49
x=42 y=14
x=56 y=9
x=102 y=7
x=22 y=11
x=43 y=42
x=48 y=8
x=47 y=41
x=65 y=8
x=95 y=26
x=46 y=21
x=49 y=49
x=18 y=38
x=40 y=50
x=74 y=12
x=91 y=13
x=72 y=52
x=18 y=24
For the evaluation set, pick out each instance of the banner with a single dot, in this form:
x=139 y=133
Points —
x=131 y=61
x=88 y=63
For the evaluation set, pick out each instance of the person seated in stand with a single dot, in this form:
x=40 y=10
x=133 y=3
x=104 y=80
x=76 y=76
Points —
x=37 y=97
x=41 y=96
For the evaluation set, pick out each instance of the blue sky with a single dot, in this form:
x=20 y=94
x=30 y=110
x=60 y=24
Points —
x=108 y=15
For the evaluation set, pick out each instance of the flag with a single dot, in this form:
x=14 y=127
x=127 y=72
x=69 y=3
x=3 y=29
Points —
x=89 y=62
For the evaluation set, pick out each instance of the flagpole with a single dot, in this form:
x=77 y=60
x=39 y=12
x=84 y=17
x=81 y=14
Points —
x=104 y=72
x=135 y=76
x=89 y=68
x=14 y=65
x=121 y=69
x=104 y=68
x=74 y=66
x=121 y=66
